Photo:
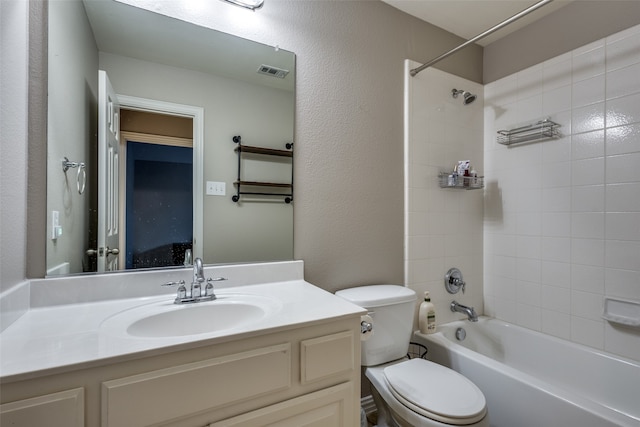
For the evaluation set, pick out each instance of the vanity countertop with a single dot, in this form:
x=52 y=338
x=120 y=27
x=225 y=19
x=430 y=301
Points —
x=60 y=338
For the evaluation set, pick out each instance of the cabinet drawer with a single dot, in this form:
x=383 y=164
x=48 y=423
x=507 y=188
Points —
x=170 y=393
x=327 y=356
x=63 y=409
x=333 y=406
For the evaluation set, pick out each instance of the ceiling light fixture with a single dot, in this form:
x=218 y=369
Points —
x=247 y=4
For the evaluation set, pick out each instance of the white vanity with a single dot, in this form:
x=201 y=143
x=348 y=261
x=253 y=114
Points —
x=89 y=353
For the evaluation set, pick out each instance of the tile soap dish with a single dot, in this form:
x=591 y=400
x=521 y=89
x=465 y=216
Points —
x=622 y=312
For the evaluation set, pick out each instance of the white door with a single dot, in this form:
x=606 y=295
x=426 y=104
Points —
x=108 y=172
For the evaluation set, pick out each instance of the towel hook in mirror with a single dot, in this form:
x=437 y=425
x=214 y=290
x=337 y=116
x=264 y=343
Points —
x=81 y=175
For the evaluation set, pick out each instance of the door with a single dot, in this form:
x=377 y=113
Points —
x=108 y=173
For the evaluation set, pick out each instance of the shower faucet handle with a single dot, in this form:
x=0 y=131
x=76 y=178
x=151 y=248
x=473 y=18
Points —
x=453 y=281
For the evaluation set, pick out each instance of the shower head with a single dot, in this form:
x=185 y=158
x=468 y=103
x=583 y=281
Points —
x=468 y=97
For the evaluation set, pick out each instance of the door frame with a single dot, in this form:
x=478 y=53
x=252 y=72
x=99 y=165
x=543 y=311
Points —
x=197 y=116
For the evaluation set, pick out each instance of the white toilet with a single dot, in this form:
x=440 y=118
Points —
x=416 y=392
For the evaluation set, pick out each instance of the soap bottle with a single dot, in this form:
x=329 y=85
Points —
x=427 y=315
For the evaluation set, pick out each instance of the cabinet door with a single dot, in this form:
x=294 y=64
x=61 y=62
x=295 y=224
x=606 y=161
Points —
x=333 y=406
x=173 y=393
x=63 y=409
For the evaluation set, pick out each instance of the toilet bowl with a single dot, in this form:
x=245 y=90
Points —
x=415 y=392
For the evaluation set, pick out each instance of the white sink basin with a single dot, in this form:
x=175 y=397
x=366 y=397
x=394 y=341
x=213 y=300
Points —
x=164 y=319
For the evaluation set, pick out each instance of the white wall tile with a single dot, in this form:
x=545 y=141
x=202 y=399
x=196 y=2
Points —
x=445 y=226
x=589 y=91
x=622 y=283
x=589 y=225
x=587 y=305
x=623 y=81
x=621 y=341
x=556 y=274
x=623 y=254
x=587 y=331
x=555 y=100
x=587 y=145
x=588 y=61
x=556 y=324
x=623 y=139
x=588 y=198
x=551 y=267
x=587 y=278
x=623 y=168
x=624 y=110
x=588 y=118
x=557 y=150
x=556 y=174
x=556 y=249
x=622 y=52
x=587 y=251
x=623 y=197
x=556 y=72
x=556 y=224
x=529 y=316
x=556 y=199
x=529 y=82
x=556 y=298
x=587 y=171
x=622 y=226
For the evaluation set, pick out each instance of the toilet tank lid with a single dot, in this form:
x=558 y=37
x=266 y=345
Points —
x=377 y=295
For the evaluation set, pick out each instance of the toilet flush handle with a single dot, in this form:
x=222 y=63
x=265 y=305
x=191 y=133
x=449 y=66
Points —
x=365 y=327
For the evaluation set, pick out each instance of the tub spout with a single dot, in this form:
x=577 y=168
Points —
x=469 y=311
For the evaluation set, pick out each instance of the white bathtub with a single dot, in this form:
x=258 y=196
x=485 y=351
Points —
x=533 y=379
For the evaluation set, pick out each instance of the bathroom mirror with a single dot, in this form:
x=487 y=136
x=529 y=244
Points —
x=184 y=91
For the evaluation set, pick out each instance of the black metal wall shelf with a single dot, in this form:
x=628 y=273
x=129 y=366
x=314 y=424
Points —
x=240 y=183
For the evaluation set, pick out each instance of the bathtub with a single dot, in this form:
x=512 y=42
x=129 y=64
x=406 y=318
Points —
x=535 y=380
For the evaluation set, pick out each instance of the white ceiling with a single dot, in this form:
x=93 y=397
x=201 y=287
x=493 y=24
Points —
x=468 y=18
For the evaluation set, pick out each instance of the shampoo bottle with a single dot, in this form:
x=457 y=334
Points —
x=427 y=315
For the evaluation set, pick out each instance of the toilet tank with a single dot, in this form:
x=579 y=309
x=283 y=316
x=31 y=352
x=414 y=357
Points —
x=391 y=307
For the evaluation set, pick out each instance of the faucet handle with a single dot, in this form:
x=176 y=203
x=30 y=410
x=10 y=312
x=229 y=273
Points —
x=208 y=289
x=182 y=289
x=181 y=283
x=461 y=283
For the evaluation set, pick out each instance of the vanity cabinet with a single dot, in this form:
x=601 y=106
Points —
x=303 y=376
x=62 y=409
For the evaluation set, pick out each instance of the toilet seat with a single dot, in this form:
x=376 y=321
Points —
x=436 y=392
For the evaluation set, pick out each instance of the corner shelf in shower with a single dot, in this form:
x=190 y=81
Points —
x=538 y=131
x=460 y=182
x=240 y=183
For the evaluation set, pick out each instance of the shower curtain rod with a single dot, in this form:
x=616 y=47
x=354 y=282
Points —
x=480 y=36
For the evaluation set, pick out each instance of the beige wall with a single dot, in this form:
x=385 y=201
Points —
x=13 y=134
x=72 y=129
x=349 y=189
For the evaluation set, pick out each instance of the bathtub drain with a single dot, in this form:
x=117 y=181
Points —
x=461 y=334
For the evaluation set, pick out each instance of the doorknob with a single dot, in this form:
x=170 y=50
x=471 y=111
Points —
x=92 y=252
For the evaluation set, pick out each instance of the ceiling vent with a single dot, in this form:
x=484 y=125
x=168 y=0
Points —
x=272 y=71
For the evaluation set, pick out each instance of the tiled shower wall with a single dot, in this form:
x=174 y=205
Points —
x=443 y=227
x=562 y=217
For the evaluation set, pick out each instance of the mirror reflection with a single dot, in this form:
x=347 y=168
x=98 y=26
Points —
x=144 y=108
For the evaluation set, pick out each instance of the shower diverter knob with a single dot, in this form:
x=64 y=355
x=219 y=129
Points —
x=453 y=281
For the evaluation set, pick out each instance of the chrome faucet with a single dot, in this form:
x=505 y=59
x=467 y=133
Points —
x=469 y=311
x=198 y=278
x=195 y=293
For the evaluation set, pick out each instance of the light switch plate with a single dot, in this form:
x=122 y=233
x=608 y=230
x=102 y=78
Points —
x=215 y=188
